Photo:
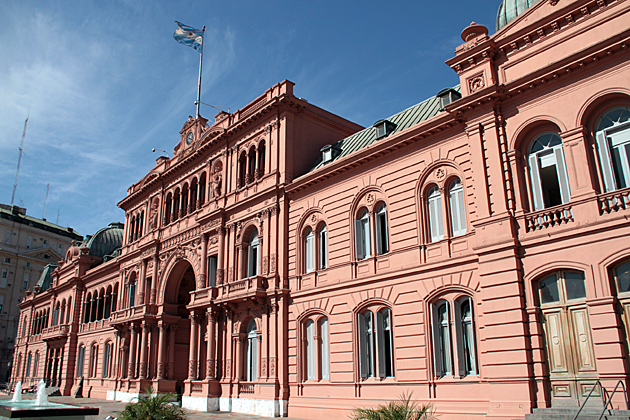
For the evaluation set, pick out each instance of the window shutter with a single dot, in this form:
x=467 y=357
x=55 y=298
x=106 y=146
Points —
x=462 y=210
x=325 y=348
x=254 y=372
x=308 y=249
x=459 y=338
x=365 y=224
x=363 y=359
x=310 y=350
x=535 y=182
x=565 y=189
x=323 y=248
x=606 y=162
x=359 y=237
x=380 y=344
x=435 y=333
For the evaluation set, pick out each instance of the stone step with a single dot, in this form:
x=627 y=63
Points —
x=569 y=414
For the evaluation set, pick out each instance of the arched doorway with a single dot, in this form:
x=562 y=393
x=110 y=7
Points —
x=181 y=282
x=567 y=329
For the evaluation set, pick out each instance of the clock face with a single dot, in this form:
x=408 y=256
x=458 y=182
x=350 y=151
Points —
x=189 y=137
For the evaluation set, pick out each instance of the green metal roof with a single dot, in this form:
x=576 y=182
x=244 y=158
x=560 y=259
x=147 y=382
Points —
x=19 y=216
x=105 y=241
x=511 y=9
x=403 y=120
x=45 y=280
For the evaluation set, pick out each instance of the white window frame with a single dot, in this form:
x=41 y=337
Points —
x=610 y=139
x=324 y=348
x=457 y=207
x=80 y=362
x=251 y=353
x=323 y=247
x=375 y=343
x=309 y=240
x=434 y=211
x=310 y=350
x=212 y=270
x=253 y=250
x=454 y=350
x=106 y=359
x=550 y=156
x=382 y=230
x=362 y=242
x=132 y=297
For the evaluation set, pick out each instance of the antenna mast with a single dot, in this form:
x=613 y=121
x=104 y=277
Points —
x=46 y=200
x=19 y=160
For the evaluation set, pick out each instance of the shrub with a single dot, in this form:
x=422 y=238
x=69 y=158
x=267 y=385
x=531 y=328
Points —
x=403 y=409
x=152 y=407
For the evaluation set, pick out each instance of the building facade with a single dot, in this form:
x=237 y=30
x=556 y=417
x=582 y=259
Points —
x=29 y=245
x=471 y=249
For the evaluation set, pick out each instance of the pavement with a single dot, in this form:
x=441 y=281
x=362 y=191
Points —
x=109 y=408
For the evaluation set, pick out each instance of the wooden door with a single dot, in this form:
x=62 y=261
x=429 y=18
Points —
x=570 y=356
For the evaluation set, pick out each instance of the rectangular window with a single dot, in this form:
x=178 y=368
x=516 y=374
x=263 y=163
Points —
x=5 y=273
x=310 y=350
x=1 y=302
x=323 y=247
x=366 y=345
x=382 y=243
x=29 y=242
x=7 y=238
x=55 y=319
x=59 y=249
x=212 y=271
x=45 y=241
x=25 y=280
x=7 y=260
x=436 y=222
x=440 y=324
x=3 y=279
x=80 y=362
x=28 y=364
x=308 y=251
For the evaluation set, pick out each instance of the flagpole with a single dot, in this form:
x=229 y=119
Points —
x=203 y=41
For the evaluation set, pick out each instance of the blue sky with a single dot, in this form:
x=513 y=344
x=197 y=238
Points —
x=106 y=82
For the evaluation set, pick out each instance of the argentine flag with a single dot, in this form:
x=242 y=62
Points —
x=188 y=35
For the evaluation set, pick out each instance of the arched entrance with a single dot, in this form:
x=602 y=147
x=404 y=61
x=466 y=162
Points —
x=567 y=329
x=177 y=296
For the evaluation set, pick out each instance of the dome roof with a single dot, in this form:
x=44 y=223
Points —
x=511 y=9
x=105 y=241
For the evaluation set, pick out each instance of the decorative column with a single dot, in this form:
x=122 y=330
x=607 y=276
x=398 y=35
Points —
x=210 y=361
x=143 y=350
x=160 y=355
x=171 y=351
x=201 y=282
x=239 y=263
x=239 y=358
x=220 y=270
x=192 y=357
x=131 y=374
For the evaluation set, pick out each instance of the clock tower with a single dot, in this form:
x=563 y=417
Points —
x=191 y=132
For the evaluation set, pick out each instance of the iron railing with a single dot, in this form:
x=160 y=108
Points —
x=607 y=402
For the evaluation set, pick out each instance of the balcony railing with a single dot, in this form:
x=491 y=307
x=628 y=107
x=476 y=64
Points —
x=547 y=218
x=614 y=201
x=55 y=332
x=248 y=287
x=245 y=388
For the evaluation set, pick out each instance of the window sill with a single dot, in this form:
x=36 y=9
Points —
x=378 y=380
x=457 y=378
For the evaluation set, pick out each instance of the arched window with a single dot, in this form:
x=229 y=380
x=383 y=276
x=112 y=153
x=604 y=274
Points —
x=310 y=349
x=261 y=160
x=168 y=206
x=253 y=254
x=251 y=166
x=323 y=247
x=93 y=360
x=201 y=200
x=456 y=207
x=612 y=134
x=460 y=347
x=251 y=353
x=62 y=315
x=362 y=235
x=184 y=210
x=436 y=222
x=621 y=279
x=36 y=365
x=68 y=310
x=28 y=363
x=375 y=343
x=382 y=242
x=547 y=170
x=308 y=250
x=324 y=348
x=193 y=196
x=80 y=361
x=176 y=211
x=107 y=355
x=242 y=170
x=55 y=319
x=132 y=295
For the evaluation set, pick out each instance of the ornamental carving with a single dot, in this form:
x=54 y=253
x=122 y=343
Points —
x=217 y=179
x=476 y=83
x=273 y=263
x=153 y=213
x=263 y=367
x=265 y=264
x=314 y=218
x=370 y=198
x=440 y=174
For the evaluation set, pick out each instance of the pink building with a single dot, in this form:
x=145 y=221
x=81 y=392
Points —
x=472 y=248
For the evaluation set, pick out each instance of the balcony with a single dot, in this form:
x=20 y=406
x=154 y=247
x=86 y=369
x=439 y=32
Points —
x=55 y=333
x=614 y=201
x=248 y=288
x=95 y=325
x=128 y=314
x=547 y=218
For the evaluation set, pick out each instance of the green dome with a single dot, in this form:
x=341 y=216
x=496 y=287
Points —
x=105 y=241
x=511 y=9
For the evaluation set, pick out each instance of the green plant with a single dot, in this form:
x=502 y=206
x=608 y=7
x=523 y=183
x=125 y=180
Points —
x=403 y=409
x=152 y=407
